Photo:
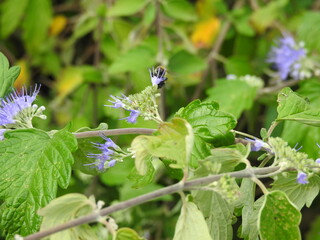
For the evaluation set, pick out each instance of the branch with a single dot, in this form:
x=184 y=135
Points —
x=246 y=173
x=113 y=132
x=276 y=88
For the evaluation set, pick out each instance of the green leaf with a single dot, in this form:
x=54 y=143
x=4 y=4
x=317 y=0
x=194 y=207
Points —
x=174 y=142
x=238 y=65
x=36 y=24
x=133 y=60
x=207 y=120
x=127 y=234
x=185 y=63
x=295 y=108
x=85 y=147
x=11 y=12
x=217 y=212
x=118 y=174
x=264 y=16
x=238 y=91
x=191 y=224
x=64 y=209
x=299 y=194
x=142 y=180
x=305 y=30
x=279 y=218
x=179 y=9
x=34 y=165
x=7 y=75
x=200 y=151
x=126 y=7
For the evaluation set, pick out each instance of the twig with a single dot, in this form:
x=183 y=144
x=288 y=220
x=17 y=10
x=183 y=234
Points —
x=114 y=132
x=276 y=88
x=246 y=173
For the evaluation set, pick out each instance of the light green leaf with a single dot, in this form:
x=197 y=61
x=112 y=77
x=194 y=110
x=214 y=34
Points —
x=11 y=12
x=299 y=194
x=217 y=212
x=185 y=63
x=279 y=218
x=126 y=7
x=174 y=142
x=133 y=60
x=85 y=147
x=127 y=234
x=295 y=108
x=200 y=151
x=305 y=30
x=191 y=224
x=36 y=24
x=7 y=75
x=149 y=15
x=118 y=174
x=238 y=91
x=179 y=9
x=207 y=120
x=139 y=180
x=34 y=164
x=65 y=209
x=264 y=16
x=238 y=65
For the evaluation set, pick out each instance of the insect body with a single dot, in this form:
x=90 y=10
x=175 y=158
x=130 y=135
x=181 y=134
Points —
x=158 y=76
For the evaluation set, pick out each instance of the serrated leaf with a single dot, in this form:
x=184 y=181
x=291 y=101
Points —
x=179 y=9
x=34 y=164
x=200 y=151
x=133 y=60
x=36 y=23
x=185 y=63
x=207 y=120
x=7 y=75
x=174 y=142
x=299 y=194
x=142 y=180
x=126 y=7
x=238 y=91
x=11 y=12
x=279 y=218
x=127 y=234
x=65 y=209
x=191 y=224
x=217 y=212
x=295 y=108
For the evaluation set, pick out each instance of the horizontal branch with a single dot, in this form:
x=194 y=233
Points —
x=113 y=132
x=246 y=173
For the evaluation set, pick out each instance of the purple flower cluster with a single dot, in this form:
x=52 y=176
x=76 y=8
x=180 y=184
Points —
x=105 y=155
x=118 y=102
x=13 y=104
x=286 y=56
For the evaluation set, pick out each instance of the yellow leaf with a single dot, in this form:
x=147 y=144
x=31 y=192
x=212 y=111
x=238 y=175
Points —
x=67 y=81
x=58 y=23
x=24 y=76
x=204 y=32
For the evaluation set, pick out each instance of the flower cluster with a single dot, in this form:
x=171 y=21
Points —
x=257 y=145
x=142 y=104
x=251 y=80
x=109 y=155
x=17 y=109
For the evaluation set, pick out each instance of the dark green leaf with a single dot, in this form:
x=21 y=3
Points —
x=207 y=120
x=7 y=76
x=34 y=164
x=313 y=233
x=179 y=9
x=299 y=194
x=279 y=218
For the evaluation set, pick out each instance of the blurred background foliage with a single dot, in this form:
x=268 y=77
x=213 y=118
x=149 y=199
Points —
x=81 y=51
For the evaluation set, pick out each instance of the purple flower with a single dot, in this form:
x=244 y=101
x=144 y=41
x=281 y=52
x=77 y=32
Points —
x=105 y=155
x=318 y=160
x=256 y=144
x=285 y=56
x=297 y=149
x=158 y=76
x=302 y=178
x=16 y=102
x=117 y=101
x=134 y=114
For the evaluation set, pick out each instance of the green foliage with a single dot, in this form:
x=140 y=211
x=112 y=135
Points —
x=126 y=7
x=179 y=9
x=279 y=218
x=127 y=234
x=191 y=224
x=174 y=142
x=64 y=209
x=35 y=164
x=7 y=75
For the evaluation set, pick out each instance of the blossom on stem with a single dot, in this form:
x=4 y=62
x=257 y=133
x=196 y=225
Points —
x=104 y=159
x=286 y=56
x=17 y=109
x=134 y=114
x=302 y=178
x=256 y=144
